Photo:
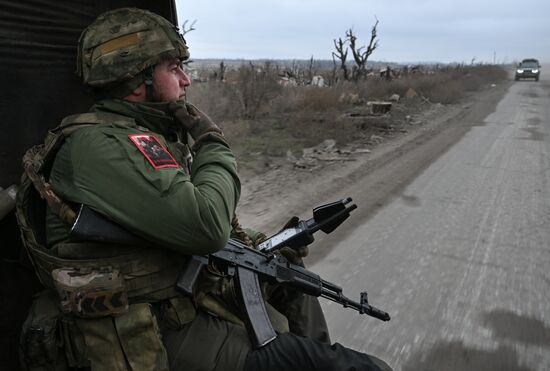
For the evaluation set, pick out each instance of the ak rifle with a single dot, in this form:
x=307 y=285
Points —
x=248 y=266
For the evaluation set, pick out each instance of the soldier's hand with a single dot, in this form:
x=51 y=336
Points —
x=191 y=118
x=295 y=255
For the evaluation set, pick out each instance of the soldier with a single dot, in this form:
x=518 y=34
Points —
x=110 y=306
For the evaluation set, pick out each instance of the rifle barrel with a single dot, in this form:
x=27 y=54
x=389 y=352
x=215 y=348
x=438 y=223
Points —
x=334 y=293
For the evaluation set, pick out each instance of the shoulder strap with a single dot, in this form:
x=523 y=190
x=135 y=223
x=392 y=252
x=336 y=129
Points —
x=91 y=118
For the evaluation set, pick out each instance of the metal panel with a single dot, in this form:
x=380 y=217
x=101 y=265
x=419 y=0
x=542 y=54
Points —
x=38 y=86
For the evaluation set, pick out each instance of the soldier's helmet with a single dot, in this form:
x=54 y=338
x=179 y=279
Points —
x=120 y=44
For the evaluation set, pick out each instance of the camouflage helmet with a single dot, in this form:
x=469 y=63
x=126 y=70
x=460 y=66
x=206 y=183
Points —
x=121 y=43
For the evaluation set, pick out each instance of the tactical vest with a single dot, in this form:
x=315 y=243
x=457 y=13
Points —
x=149 y=273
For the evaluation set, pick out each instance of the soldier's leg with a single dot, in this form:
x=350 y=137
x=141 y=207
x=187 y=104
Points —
x=290 y=352
x=206 y=343
x=306 y=318
x=304 y=313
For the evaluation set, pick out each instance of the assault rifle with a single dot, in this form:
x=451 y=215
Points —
x=300 y=233
x=248 y=266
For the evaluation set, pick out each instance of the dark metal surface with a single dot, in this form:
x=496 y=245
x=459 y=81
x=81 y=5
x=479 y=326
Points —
x=38 y=41
x=38 y=88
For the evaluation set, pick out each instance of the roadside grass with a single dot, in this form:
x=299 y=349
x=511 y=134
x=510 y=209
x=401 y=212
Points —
x=263 y=121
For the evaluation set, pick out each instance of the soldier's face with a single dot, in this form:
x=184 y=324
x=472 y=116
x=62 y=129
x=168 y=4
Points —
x=169 y=81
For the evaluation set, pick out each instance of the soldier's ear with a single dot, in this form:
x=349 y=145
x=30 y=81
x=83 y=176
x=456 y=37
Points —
x=137 y=95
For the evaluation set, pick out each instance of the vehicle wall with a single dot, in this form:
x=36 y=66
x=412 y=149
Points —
x=38 y=40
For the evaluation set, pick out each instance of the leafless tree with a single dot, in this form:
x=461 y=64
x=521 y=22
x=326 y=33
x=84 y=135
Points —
x=186 y=27
x=311 y=70
x=223 y=68
x=360 y=54
x=293 y=73
x=219 y=73
x=255 y=87
x=333 y=78
x=341 y=54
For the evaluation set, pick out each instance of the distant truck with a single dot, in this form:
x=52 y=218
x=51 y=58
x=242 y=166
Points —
x=528 y=69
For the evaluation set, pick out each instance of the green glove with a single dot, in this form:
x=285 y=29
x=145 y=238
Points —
x=197 y=124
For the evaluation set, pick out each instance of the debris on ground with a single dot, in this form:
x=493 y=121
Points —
x=324 y=152
x=394 y=98
x=379 y=108
x=351 y=98
x=411 y=93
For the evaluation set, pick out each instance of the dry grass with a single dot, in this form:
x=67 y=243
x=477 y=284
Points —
x=263 y=120
x=446 y=85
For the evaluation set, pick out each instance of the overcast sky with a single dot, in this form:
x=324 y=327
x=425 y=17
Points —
x=409 y=31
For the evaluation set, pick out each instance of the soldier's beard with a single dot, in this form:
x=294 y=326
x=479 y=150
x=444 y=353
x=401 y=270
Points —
x=170 y=127
x=163 y=105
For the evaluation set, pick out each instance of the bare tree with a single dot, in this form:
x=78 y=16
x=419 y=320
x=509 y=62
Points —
x=311 y=70
x=360 y=54
x=185 y=29
x=219 y=73
x=333 y=78
x=341 y=54
x=255 y=87
x=223 y=69
x=293 y=73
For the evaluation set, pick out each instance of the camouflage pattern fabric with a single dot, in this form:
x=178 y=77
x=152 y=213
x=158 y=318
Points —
x=121 y=43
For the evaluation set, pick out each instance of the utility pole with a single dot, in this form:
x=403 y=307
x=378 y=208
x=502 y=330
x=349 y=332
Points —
x=494 y=57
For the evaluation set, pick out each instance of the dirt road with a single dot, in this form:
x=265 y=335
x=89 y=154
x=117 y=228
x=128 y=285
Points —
x=459 y=256
x=372 y=179
x=450 y=237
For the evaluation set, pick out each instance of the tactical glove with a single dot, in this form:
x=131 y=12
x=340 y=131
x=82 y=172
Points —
x=197 y=124
x=294 y=255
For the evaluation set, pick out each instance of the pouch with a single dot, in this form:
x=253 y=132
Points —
x=41 y=343
x=91 y=293
x=130 y=341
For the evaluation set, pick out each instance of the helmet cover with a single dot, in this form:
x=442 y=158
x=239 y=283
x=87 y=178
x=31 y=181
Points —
x=121 y=43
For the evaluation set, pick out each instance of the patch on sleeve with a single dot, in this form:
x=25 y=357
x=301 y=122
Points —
x=155 y=152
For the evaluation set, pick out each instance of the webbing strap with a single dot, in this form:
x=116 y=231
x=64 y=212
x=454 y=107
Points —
x=36 y=157
x=239 y=231
x=32 y=163
x=149 y=274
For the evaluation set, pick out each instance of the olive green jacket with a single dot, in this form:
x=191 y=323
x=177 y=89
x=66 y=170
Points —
x=187 y=210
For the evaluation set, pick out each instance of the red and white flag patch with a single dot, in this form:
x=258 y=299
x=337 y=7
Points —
x=154 y=152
